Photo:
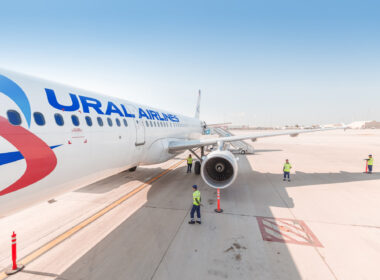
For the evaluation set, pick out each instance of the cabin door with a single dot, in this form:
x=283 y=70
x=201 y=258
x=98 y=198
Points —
x=140 y=128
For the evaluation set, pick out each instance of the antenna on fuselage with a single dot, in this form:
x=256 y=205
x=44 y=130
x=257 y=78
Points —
x=197 y=110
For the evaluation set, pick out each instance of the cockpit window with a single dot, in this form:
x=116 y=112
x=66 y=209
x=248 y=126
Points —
x=39 y=118
x=59 y=119
x=109 y=121
x=100 y=121
x=88 y=121
x=14 y=117
x=75 y=120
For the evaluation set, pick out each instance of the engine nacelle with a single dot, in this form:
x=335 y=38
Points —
x=219 y=169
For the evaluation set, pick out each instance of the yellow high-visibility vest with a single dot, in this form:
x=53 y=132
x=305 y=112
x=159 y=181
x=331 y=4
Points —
x=370 y=161
x=189 y=160
x=196 y=196
x=287 y=167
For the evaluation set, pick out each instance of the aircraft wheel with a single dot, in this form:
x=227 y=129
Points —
x=197 y=168
x=242 y=152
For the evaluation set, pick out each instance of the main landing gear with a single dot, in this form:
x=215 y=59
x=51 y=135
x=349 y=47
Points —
x=132 y=169
x=197 y=164
x=197 y=168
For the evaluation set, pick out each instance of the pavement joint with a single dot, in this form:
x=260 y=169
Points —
x=170 y=244
x=166 y=208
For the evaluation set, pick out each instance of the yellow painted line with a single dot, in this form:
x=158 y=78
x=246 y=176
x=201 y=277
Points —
x=42 y=250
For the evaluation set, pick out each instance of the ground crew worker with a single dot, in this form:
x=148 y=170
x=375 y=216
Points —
x=370 y=163
x=189 y=164
x=286 y=170
x=196 y=205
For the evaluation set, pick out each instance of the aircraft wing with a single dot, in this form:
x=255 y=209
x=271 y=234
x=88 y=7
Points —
x=188 y=144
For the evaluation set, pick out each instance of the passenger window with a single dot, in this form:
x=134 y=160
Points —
x=75 y=120
x=151 y=123
x=39 y=118
x=100 y=121
x=125 y=122
x=109 y=121
x=14 y=117
x=147 y=123
x=88 y=121
x=59 y=119
x=118 y=122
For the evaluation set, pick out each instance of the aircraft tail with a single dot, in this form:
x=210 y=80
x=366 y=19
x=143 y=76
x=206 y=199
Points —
x=197 y=110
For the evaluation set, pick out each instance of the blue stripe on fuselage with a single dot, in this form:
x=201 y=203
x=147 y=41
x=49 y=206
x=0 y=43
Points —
x=6 y=158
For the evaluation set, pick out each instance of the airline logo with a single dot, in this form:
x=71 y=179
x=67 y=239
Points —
x=110 y=108
x=39 y=157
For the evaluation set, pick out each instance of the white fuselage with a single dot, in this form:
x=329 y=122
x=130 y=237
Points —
x=83 y=153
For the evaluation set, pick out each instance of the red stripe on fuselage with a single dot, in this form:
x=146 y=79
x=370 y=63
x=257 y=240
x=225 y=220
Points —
x=40 y=159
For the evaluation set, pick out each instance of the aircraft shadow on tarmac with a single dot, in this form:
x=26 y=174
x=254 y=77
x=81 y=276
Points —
x=259 y=183
x=113 y=182
x=150 y=243
x=156 y=231
x=303 y=179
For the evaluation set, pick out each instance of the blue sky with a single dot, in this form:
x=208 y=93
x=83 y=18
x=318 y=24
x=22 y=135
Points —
x=256 y=62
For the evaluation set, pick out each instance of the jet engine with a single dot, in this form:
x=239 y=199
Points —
x=219 y=169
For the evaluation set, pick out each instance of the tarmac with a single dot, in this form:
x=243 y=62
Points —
x=324 y=224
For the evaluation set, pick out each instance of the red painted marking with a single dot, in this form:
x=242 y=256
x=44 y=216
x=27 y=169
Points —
x=40 y=159
x=287 y=231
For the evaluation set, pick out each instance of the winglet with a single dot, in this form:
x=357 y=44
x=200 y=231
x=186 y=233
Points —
x=197 y=110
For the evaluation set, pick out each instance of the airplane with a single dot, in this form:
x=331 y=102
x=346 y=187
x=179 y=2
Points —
x=56 y=138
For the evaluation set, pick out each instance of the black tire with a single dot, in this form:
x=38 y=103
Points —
x=242 y=152
x=132 y=169
x=197 y=168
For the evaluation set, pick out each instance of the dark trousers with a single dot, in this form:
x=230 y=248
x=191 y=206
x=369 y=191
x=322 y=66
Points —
x=189 y=165
x=370 y=168
x=195 y=208
x=286 y=174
